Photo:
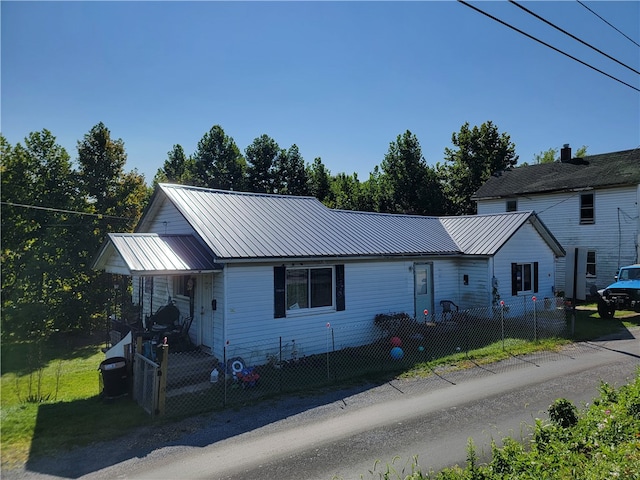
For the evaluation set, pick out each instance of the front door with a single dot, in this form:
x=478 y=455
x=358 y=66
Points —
x=423 y=289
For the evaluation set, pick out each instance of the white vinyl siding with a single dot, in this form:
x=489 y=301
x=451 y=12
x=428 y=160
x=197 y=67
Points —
x=116 y=264
x=448 y=282
x=478 y=291
x=370 y=288
x=526 y=247
x=614 y=235
x=169 y=221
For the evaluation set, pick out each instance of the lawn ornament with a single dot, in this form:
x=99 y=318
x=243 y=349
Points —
x=235 y=365
x=397 y=353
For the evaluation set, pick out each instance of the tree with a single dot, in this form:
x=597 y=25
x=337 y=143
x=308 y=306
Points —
x=548 y=156
x=39 y=234
x=53 y=222
x=290 y=173
x=115 y=199
x=176 y=169
x=551 y=155
x=319 y=179
x=101 y=162
x=480 y=151
x=261 y=157
x=410 y=184
x=375 y=197
x=346 y=192
x=581 y=152
x=218 y=162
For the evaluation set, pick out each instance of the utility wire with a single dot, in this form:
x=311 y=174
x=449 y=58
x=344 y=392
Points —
x=621 y=33
x=60 y=210
x=573 y=36
x=548 y=45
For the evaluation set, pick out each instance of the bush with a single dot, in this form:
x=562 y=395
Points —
x=563 y=413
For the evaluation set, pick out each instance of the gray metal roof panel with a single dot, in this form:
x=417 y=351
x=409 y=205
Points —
x=150 y=252
x=249 y=225
x=484 y=234
x=261 y=225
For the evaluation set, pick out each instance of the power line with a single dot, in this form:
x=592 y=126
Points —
x=573 y=36
x=621 y=33
x=548 y=45
x=61 y=210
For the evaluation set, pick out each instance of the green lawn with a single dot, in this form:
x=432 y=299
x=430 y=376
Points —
x=50 y=399
x=50 y=390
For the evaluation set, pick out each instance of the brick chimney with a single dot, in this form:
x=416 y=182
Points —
x=565 y=153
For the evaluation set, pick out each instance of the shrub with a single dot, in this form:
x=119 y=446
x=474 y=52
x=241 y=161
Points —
x=563 y=413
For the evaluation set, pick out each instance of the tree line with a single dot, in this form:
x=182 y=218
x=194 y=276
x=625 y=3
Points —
x=403 y=182
x=56 y=212
x=55 y=216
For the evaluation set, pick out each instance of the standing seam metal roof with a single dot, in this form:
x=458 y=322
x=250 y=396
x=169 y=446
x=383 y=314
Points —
x=250 y=226
x=150 y=252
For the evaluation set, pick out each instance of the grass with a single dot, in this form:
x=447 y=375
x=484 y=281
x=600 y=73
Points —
x=50 y=399
x=50 y=390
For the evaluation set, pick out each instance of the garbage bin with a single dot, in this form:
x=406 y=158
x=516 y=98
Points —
x=114 y=377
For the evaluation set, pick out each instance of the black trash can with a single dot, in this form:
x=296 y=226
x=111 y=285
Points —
x=115 y=379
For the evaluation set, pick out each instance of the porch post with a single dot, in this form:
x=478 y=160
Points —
x=162 y=387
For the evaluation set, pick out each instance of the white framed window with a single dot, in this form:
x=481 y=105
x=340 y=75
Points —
x=587 y=209
x=308 y=289
x=591 y=263
x=524 y=278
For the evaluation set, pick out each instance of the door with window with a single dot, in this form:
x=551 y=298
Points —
x=423 y=289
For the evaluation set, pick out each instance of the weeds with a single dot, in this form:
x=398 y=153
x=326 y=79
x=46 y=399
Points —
x=35 y=385
x=602 y=441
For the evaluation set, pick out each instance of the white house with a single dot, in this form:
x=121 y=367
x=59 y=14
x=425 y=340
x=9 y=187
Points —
x=248 y=267
x=590 y=203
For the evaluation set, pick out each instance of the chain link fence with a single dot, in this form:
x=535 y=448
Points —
x=395 y=342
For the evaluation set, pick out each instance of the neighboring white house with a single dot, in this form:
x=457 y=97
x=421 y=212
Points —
x=590 y=203
x=249 y=267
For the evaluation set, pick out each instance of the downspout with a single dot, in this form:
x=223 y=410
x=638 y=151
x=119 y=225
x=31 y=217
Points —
x=225 y=303
x=619 y=240
x=491 y=279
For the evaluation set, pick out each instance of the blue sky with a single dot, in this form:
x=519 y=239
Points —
x=339 y=79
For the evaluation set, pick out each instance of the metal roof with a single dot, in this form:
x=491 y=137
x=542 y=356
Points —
x=603 y=170
x=486 y=234
x=260 y=226
x=152 y=253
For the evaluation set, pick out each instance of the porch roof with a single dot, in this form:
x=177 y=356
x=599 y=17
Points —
x=154 y=254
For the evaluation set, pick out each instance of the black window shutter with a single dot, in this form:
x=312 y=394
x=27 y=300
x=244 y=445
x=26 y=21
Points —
x=279 y=297
x=514 y=279
x=340 y=303
x=535 y=277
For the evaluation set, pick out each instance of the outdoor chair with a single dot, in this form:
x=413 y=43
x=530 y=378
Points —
x=448 y=309
x=178 y=339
